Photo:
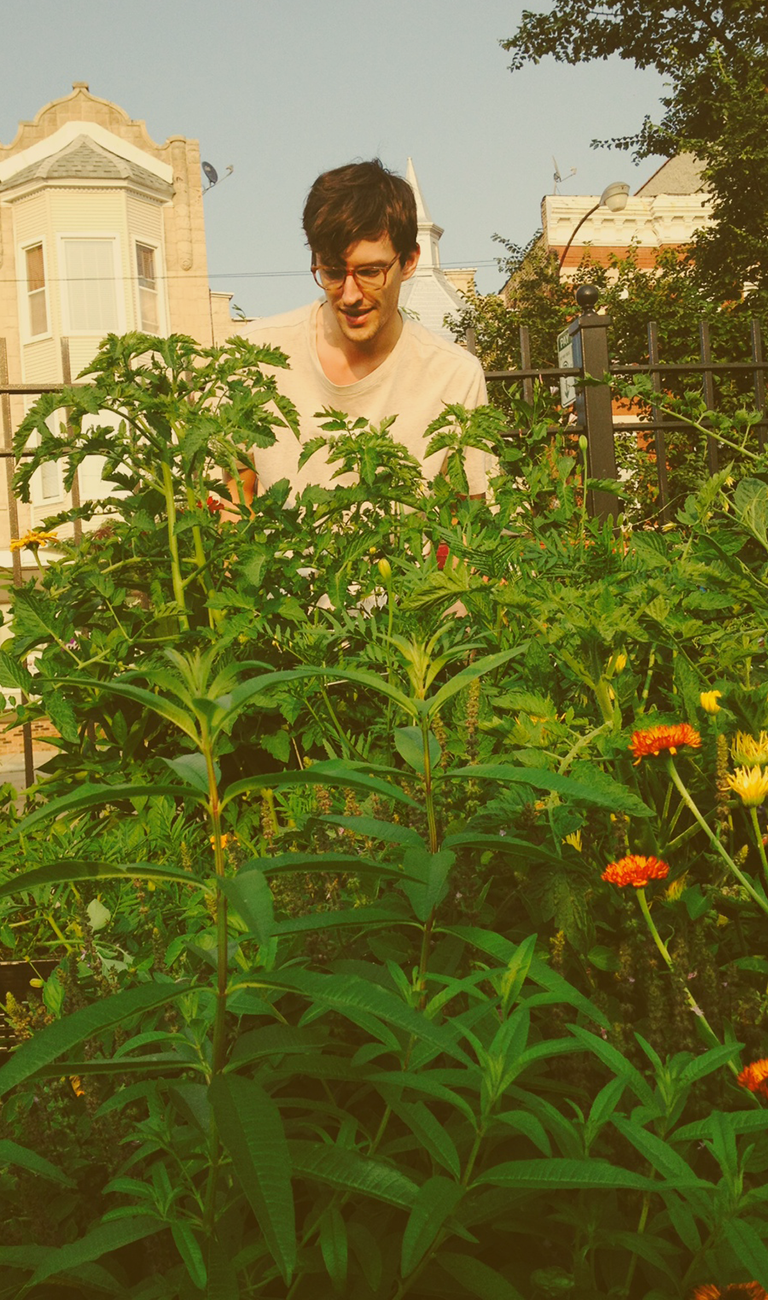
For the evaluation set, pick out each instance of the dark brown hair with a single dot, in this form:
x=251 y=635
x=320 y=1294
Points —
x=360 y=201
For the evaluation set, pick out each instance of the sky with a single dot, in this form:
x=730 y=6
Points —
x=281 y=90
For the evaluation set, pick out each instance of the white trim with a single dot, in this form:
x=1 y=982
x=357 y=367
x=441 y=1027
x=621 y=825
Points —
x=160 y=282
x=25 y=323
x=69 y=132
x=93 y=236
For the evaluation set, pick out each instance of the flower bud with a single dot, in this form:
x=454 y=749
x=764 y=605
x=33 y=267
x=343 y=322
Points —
x=583 y=444
x=708 y=701
x=385 y=570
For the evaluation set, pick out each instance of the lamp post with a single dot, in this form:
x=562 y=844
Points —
x=614 y=197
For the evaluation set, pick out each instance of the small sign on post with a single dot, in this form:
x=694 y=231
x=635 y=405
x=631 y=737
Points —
x=568 y=358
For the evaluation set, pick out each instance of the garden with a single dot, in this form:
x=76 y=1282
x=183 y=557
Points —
x=396 y=887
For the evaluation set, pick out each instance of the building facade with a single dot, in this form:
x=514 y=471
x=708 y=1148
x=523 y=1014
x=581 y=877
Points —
x=101 y=230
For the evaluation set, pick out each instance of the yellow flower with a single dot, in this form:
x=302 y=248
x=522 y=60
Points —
x=574 y=839
x=225 y=838
x=748 y=752
x=677 y=887
x=750 y=784
x=708 y=701
x=618 y=663
x=35 y=537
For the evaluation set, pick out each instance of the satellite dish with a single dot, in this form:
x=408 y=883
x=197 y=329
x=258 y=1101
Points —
x=211 y=175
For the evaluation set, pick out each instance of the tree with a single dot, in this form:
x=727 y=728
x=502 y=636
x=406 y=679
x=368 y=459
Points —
x=716 y=61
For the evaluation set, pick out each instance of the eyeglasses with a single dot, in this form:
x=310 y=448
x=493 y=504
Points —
x=365 y=277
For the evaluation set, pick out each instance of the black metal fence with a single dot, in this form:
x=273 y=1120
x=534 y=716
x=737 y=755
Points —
x=585 y=344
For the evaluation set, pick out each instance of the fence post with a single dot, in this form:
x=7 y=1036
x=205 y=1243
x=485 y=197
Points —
x=6 y=428
x=589 y=333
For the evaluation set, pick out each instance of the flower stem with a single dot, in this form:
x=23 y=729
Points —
x=759 y=839
x=662 y=947
x=743 y=880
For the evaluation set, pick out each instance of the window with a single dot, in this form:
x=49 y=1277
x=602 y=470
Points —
x=149 y=316
x=36 y=293
x=89 y=284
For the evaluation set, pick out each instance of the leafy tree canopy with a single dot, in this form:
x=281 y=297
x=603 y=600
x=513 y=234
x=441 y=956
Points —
x=715 y=59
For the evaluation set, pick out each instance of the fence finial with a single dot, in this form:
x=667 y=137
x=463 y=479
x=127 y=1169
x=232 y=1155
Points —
x=587 y=296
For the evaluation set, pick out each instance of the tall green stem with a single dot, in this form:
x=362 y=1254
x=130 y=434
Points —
x=743 y=880
x=173 y=547
x=662 y=947
x=759 y=840
x=220 y=1019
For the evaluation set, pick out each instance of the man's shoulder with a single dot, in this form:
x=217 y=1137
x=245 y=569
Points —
x=428 y=344
x=271 y=329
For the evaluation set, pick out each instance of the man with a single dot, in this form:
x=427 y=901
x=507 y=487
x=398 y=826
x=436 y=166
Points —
x=353 y=351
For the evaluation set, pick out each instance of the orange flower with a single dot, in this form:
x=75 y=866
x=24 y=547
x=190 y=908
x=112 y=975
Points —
x=736 y=1291
x=655 y=739
x=635 y=870
x=755 y=1077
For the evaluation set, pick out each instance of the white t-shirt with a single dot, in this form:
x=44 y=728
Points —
x=422 y=373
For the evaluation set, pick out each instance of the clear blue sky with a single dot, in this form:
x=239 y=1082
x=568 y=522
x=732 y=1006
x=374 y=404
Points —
x=283 y=89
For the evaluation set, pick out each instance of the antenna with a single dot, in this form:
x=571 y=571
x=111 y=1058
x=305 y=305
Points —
x=557 y=178
x=212 y=176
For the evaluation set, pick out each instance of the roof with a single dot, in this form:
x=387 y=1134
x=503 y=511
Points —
x=83 y=159
x=679 y=175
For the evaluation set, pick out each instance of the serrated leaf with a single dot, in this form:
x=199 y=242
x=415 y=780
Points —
x=601 y=793
x=477 y=1277
x=189 y=1248
x=435 y=1200
x=749 y=1248
x=348 y=1171
x=334 y=1247
x=101 y=1241
x=251 y=1128
x=51 y=1043
x=556 y=1173
x=13 y=1154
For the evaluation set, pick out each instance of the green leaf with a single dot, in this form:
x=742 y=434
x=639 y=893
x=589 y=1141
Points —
x=749 y=1249
x=251 y=1128
x=336 y=862
x=90 y=796
x=658 y=1153
x=331 y=773
x=12 y=1154
x=349 y=995
x=101 y=1241
x=467 y=675
x=372 y=828
x=740 y=1121
x=147 y=699
x=710 y=1061
x=436 y=1199
x=353 y=916
x=562 y=1175
x=192 y=769
x=98 y=914
x=333 y=1246
x=246 y=691
x=222 y=1276
x=189 y=1249
x=618 y=1064
x=429 y=878
x=479 y=1278
x=51 y=1042
x=348 y=1171
x=64 y=870
x=251 y=897
x=601 y=793
x=433 y=1135
x=409 y=744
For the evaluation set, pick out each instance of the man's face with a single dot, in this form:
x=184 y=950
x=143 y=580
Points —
x=365 y=314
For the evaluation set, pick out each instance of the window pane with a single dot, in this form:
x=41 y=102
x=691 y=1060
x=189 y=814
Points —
x=145 y=266
x=38 y=308
x=145 y=270
x=90 y=285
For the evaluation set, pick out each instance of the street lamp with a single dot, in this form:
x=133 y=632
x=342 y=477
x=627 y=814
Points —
x=614 y=197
